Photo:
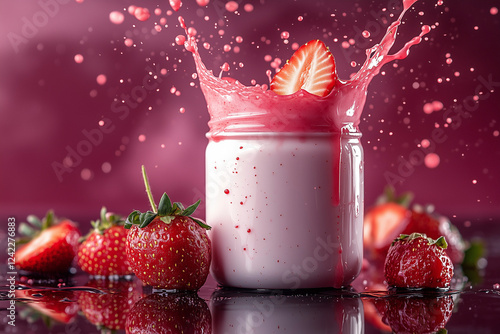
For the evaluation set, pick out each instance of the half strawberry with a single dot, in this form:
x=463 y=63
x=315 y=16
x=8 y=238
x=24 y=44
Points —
x=50 y=250
x=311 y=68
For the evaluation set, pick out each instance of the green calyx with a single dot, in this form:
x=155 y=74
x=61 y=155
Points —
x=106 y=221
x=166 y=211
x=390 y=195
x=440 y=242
x=34 y=226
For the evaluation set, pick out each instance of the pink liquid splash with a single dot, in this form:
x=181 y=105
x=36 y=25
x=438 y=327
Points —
x=235 y=107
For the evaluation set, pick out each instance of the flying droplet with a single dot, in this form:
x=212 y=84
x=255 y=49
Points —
x=116 y=17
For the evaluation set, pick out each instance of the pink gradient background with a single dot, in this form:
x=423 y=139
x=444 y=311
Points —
x=46 y=102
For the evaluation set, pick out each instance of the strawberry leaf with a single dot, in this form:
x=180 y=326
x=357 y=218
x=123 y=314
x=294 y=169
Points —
x=26 y=230
x=35 y=221
x=191 y=209
x=146 y=218
x=178 y=208
x=201 y=223
x=441 y=242
x=165 y=205
x=167 y=219
x=132 y=219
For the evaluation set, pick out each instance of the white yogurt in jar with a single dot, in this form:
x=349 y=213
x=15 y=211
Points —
x=276 y=220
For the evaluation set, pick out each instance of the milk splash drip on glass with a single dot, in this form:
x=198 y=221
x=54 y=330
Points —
x=284 y=177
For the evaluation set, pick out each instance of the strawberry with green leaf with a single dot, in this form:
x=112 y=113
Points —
x=48 y=246
x=416 y=261
x=102 y=250
x=167 y=247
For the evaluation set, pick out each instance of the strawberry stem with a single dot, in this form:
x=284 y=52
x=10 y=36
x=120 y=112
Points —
x=148 y=190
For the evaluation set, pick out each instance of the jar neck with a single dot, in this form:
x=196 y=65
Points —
x=346 y=132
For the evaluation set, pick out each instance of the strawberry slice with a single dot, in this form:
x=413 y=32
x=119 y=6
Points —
x=311 y=68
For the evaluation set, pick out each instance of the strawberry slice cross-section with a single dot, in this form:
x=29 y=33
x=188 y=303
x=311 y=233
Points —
x=311 y=68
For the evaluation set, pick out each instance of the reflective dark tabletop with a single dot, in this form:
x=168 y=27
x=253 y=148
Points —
x=77 y=304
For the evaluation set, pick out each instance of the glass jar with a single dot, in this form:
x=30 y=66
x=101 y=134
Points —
x=286 y=209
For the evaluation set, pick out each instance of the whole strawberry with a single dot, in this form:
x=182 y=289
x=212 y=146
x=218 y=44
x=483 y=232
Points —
x=169 y=313
x=109 y=310
x=415 y=261
x=50 y=250
x=102 y=251
x=417 y=314
x=166 y=247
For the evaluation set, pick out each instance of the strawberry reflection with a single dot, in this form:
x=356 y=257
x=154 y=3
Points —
x=170 y=313
x=107 y=306
x=415 y=313
x=52 y=306
x=250 y=311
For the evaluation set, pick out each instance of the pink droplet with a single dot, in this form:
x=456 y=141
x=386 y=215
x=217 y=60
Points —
x=365 y=34
x=437 y=105
x=86 y=174
x=431 y=160
x=300 y=18
x=78 y=58
x=101 y=79
x=227 y=48
x=175 y=4
x=191 y=31
x=181 y=22
x=128 y=42
x=116 y=17
x=239 y=39
x=202 y=3
x=157 y=11
x=142 y=138
x=493 y=10
x=449 y=61
x=248 y=7
x=106 y=167
x=345 y=44
x=496 y=286
x=428 y=108
x=231 y=6
x=285 y=35
x=295 y=46
x=131 y=9
x=206 y=45
x=496 y=133
x=180 y=39
x=182 y=110
x=142 y=14
x=474 y=181
x=425 y=143
x=225 y=67
x=226 y=191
